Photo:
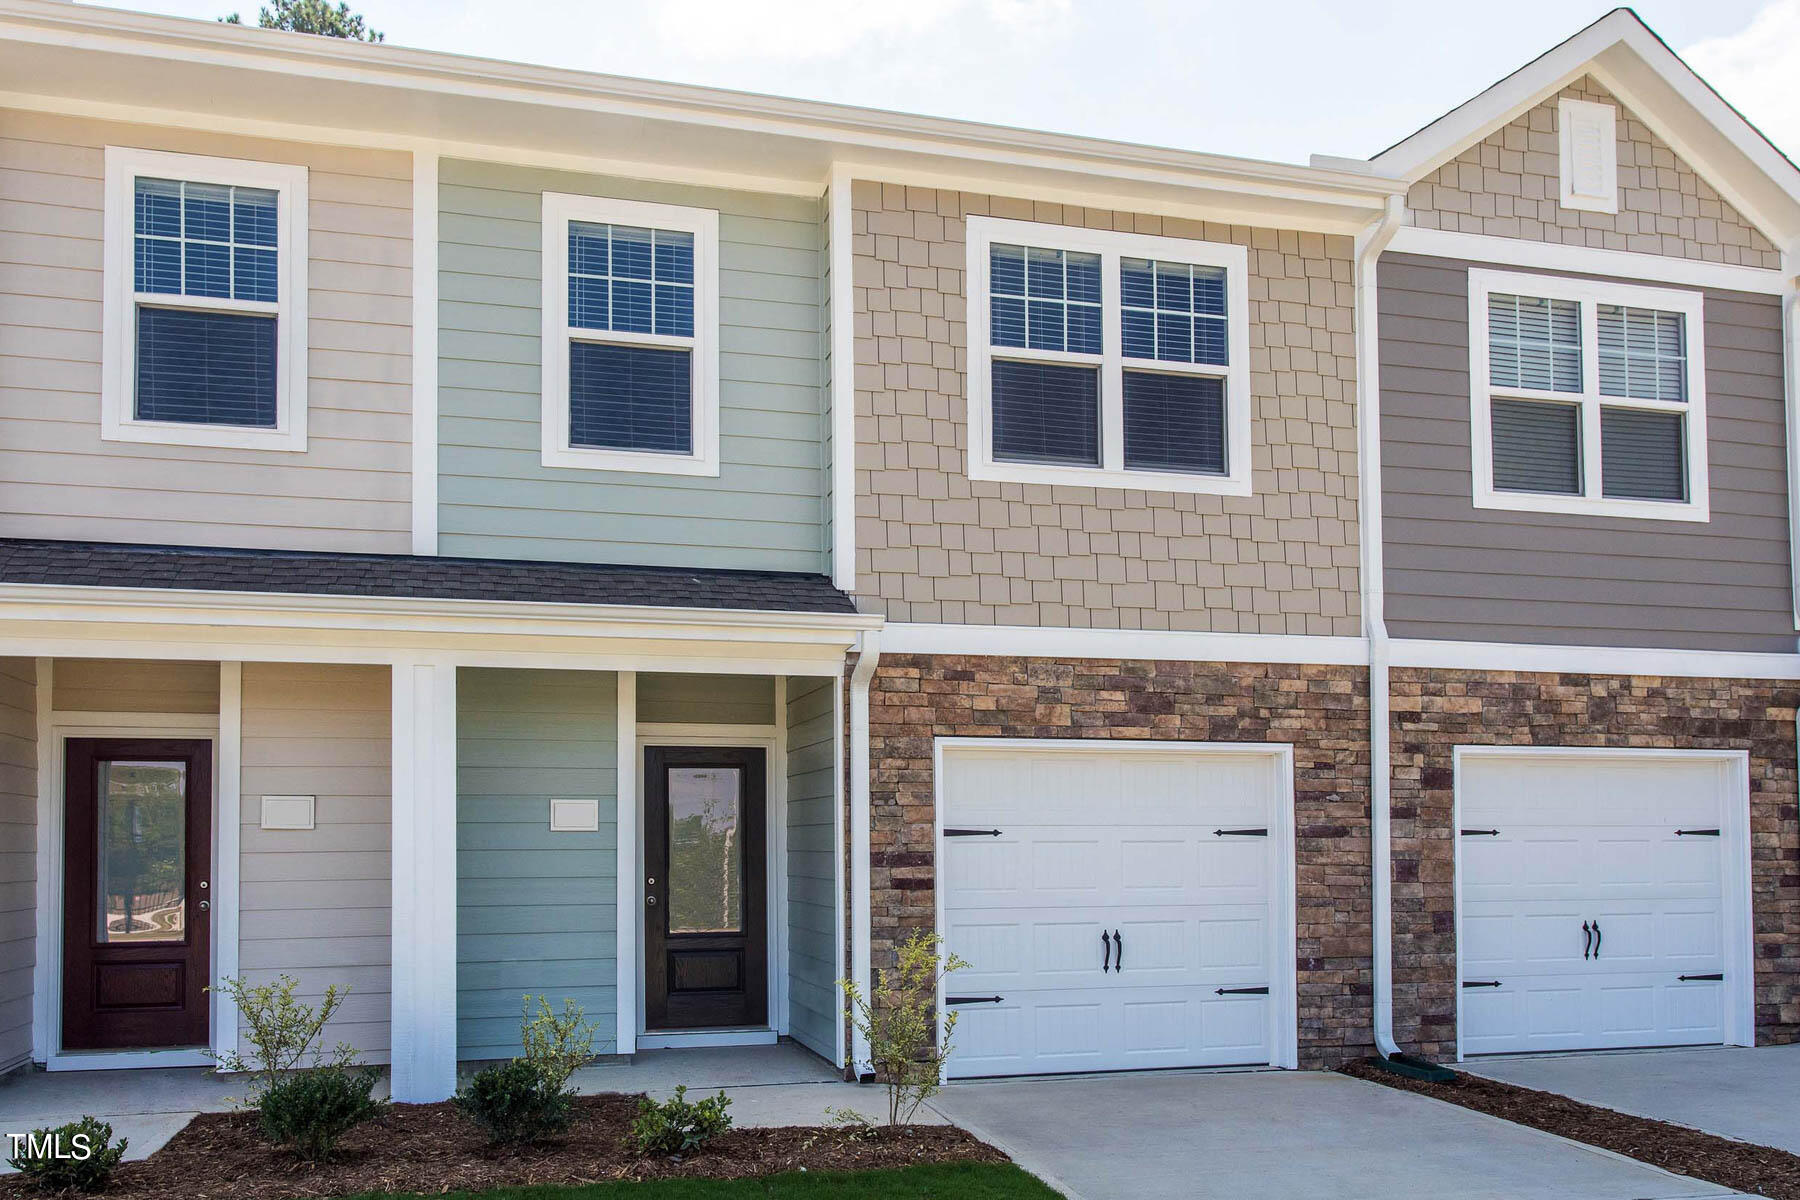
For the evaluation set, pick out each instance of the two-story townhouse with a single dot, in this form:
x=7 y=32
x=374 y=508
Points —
x=469 y=529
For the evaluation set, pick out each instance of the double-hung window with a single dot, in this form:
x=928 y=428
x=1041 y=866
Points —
x=630 y=308
x=205 y=301
x=1587 y=397
x=1107 y=359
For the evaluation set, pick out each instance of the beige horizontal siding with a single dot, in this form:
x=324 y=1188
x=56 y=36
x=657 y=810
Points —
x=18 y=857
x=135 y=685
x=350 y=489
x=315 y=904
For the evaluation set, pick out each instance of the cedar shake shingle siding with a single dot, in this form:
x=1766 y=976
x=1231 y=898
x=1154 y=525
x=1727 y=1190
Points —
x=933 y=545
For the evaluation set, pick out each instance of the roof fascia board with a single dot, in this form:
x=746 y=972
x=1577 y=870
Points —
x=112 y=31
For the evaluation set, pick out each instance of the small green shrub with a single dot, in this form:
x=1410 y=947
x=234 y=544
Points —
x=287 y=1035
x=675 y=1127
x=556 y=1044
x=77 y=1157
x=907 y=1048
x=309 y=1111
x=515 y=1103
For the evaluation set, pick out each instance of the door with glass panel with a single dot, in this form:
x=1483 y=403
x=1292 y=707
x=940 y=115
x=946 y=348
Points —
x=705 y=945
x=137 y=919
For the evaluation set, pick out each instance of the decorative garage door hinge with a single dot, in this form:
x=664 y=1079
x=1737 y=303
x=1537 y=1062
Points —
x=1255 y=991
x=1715 y=975
x=1696 y=833
x=973 y=999
x=1481 y=833
x=1481 y=983
x=971 y=833
x=1240 y=833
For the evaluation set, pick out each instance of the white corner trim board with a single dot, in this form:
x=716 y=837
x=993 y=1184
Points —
x=627 y=857
x=425 y=353
x=1034 y=641
x=1593 y=660
x=1584 y=260
x=842 y=308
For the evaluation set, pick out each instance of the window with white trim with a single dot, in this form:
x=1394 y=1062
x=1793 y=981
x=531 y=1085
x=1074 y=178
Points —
x=205 y=301
x=1107 y=359
x=1587 y=397
x=630 y=368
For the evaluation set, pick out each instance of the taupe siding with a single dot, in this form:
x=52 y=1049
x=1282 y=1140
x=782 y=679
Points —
x=812 y=966
x=18 y=855
x=705 y=699
x=135 y=685
x=350 y=490
x=316 y=903
x=1455 y=571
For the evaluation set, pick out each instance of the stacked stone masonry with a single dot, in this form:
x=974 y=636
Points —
x=1435 y=711
x=1321 y=710
x=932 y=545
x=1507 y=186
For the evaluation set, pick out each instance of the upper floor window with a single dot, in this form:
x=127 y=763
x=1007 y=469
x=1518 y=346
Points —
x=205 y=311
x=1107 y=359
x=631 y=370
x=1587 y=397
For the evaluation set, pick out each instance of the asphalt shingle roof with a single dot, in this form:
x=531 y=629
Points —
x=110 y=564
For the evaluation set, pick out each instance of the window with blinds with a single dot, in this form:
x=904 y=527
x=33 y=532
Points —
x=1112 y=356
x=1588 y=397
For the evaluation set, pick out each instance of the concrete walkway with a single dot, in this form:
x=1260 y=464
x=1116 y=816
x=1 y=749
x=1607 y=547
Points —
x=1281 y=1135
x=1750 y=1095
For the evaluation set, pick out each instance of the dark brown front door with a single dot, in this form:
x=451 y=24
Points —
x=137 y=920
x=706 y=963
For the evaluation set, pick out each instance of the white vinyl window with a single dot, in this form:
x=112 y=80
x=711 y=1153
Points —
x=1107 y=359
x=630 y=314
x=205 y=301
x=1587 y=397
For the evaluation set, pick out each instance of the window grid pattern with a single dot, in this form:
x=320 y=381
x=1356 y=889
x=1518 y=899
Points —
x=1041 y=299
x=1534 y=343
x=1173 y=312
x=1642 y=353
x=206 y=240
x=629 y=279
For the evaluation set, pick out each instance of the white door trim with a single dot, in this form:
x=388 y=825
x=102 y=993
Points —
x=1734 y=883
x=772 y=741
x=54 y=731
x=1284 y=1031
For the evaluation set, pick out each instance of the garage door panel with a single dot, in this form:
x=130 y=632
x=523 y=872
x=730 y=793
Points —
x=1590 y=841
x=1237 y=945
x=1063 y=950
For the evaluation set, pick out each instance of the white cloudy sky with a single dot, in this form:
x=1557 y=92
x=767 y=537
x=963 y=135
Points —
x=1277 y=79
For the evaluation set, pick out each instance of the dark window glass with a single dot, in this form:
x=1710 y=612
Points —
x=630 y=398
x=1643 y=455
x=205 y=368
x=1046 y=413
x=1174 y=423
x=1537 y=447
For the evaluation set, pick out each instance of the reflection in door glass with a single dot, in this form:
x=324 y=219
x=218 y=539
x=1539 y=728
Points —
x=706 y=875
x=143 y=852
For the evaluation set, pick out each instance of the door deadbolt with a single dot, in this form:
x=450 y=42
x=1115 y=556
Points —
x=204 y=905
x=650 y=900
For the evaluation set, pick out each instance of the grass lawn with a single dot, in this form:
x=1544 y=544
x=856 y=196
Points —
x=958 y=1181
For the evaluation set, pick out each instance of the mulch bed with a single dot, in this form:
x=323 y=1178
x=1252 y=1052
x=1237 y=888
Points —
x=1740 y=1166
x=433 y=1148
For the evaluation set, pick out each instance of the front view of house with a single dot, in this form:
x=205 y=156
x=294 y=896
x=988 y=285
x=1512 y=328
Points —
x=488 y=530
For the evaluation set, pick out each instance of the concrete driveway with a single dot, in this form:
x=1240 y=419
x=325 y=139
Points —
x=1275 y=1135
x=1750 y=1095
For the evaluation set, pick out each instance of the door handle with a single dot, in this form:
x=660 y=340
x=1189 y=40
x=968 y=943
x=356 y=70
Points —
x=1587 y=939
x=1106 y=954
x=1596 y=940
x=1118 y=953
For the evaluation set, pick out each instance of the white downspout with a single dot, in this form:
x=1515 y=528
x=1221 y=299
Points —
x=1369 y=245
x=861 y=923
x=1790 y=348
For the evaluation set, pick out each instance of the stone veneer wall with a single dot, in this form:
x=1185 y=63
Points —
x=1437 y=710
x=1322 y=710
x=1508 y=184
x=932 y=545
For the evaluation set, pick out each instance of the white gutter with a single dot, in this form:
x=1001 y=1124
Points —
x=1369 y=245
x=1790 y=348
x=862 y=930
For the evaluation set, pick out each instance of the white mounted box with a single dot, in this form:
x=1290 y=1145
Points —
x=288 y=812
x=574 y=816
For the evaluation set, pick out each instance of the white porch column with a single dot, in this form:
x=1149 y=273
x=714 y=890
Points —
x=424 y=860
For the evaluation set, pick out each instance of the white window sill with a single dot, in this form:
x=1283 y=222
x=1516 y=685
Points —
x=1583 y=506
x=643 y=462
x=1098 y=477
x=224 y=437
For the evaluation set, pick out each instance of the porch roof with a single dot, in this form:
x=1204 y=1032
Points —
x=299 y=572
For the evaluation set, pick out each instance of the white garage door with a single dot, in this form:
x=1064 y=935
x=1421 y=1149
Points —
x=1119 y=909
x=1593 y=901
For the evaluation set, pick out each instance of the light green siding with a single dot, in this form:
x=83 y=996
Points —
x=706 y=699
x=536 y=911
x=812 y=919
x=765 y=510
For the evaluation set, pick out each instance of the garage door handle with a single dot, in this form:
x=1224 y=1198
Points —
x=1118 y=953
x=973 y=999
x=1596 y=940
x=1255 y=991
x=1696 y=833
x=1714 y=976
x=1106 y=954
x=1587 y=939
x=1240 y=833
